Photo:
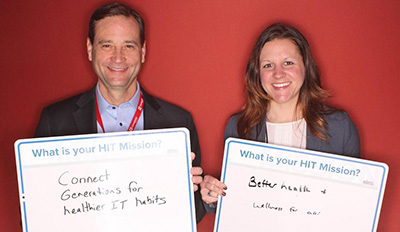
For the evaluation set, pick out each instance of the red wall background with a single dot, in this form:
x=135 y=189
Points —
x=196 y=57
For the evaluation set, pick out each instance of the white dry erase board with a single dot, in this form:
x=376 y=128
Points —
x=128 y=181
x=276 y=188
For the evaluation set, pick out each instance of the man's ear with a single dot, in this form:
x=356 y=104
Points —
x=143 y=52
x=89 y=48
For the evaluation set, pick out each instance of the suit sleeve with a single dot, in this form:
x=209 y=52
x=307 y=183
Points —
x=195 y=146
x=43 y=127
x=194 y=143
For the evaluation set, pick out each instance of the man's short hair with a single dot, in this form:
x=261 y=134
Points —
x=115 y=9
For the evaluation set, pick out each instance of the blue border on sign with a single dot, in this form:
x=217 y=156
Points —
x=266 y=145
x=95 y=136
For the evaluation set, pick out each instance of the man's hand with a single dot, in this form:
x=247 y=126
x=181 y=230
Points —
x=196 y=175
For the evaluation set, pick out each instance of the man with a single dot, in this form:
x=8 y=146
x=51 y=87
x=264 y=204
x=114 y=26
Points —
x=116 y=47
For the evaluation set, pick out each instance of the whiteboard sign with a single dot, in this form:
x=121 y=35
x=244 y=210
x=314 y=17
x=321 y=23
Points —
x=276 y=188
x=128 y=181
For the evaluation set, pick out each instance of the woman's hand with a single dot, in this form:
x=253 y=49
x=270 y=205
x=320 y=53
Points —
x=211 y=188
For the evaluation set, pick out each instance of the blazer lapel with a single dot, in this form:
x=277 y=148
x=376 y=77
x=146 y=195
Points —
x=152 y=120
x=260 y=130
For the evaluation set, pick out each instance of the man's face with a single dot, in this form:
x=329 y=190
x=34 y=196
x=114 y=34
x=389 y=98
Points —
x=116 y=53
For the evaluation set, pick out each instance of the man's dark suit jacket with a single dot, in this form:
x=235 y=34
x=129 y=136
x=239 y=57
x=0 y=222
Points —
x=77 y=115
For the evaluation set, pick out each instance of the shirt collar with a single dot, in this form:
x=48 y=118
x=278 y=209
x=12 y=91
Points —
x=103 y=104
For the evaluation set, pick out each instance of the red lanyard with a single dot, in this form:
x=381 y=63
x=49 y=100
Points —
x=135 y=118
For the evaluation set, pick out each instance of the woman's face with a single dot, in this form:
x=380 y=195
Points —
x=282 y=71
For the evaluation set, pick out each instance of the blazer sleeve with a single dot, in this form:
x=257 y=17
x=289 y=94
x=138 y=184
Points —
x=231 y=127
x=343 y=136
x=351 y=138
x=43 y=128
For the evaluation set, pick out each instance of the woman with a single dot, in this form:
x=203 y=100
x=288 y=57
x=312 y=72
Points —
x=285 y=103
